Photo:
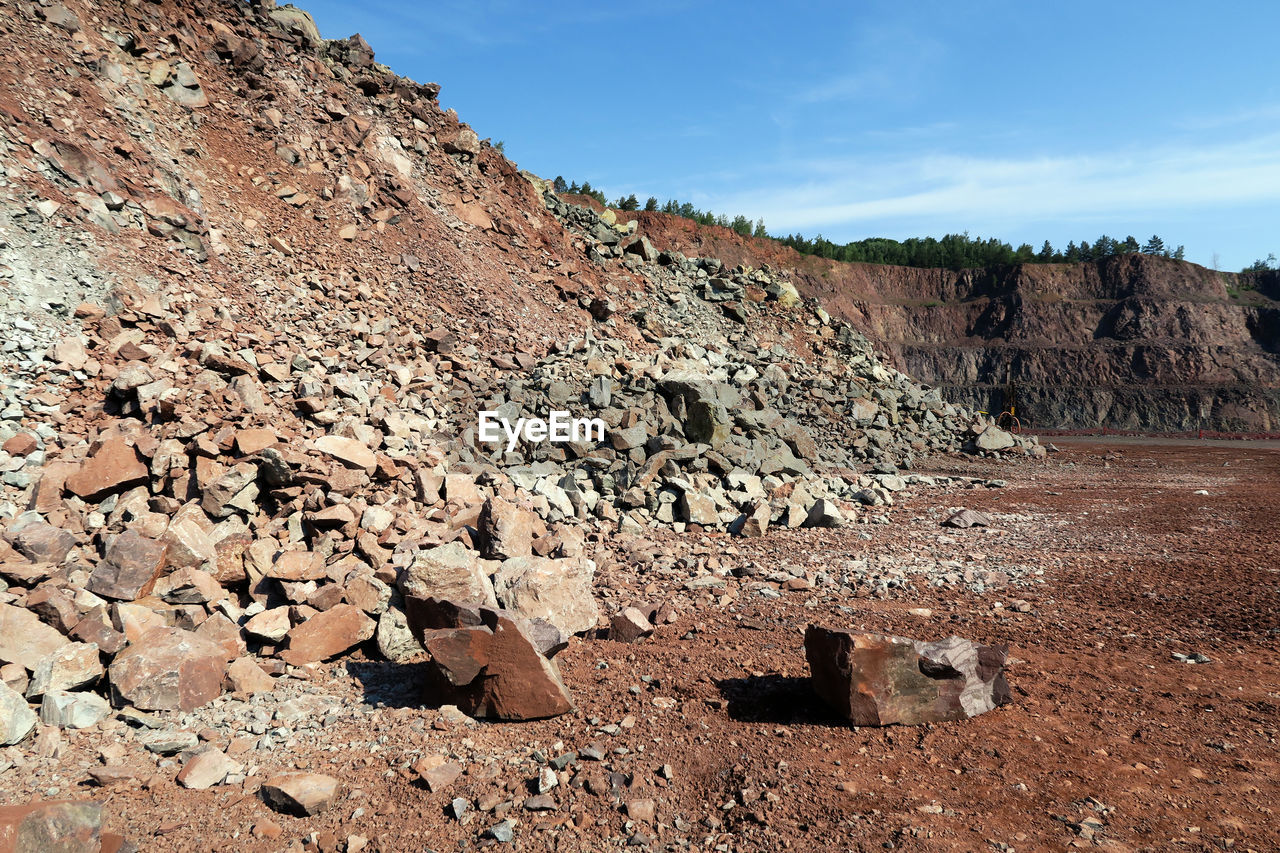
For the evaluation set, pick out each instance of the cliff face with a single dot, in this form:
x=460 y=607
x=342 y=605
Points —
x=1132 y=342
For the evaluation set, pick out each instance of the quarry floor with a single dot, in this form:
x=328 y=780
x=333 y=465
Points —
x=1110 y=741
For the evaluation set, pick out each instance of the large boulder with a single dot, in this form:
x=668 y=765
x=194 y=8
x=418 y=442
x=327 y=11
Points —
x=130 y=567
x=328 y=633
x=879 y=680
x=448 y=572
x=505 y=530
x=168 y=669
x=25 y=639
x=494 y=670
x=555 y=591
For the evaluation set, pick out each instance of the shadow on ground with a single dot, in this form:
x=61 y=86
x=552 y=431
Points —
x=393 y=685
x=776 y=699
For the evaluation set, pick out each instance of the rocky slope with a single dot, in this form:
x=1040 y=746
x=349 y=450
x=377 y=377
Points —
x=1132 y=342
x=258 y=290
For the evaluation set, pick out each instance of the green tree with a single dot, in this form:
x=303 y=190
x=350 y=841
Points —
x=1154 y=246
x=574 y=189
x=1180 y=254
x=559 y=185
x=759 y=229
x=629 y=203
x=651 y=203
x=1130 y=245
x=1046 y=253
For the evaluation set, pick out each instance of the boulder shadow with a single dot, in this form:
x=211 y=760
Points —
x=777 y=699
x=394 y=685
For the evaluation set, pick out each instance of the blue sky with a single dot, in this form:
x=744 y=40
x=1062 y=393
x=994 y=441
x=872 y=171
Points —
x=1023 y=121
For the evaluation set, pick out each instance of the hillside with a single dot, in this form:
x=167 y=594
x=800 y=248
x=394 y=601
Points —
x=1129 y=343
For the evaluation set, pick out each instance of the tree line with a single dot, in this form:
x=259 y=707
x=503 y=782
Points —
x=953 y=251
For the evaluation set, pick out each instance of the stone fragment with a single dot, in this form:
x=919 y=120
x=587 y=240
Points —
x=327 y=634
x=247 y=677
x=556 y=591
x=166 y=741
x=74 y=665
x=271 y=625
x=297 y=566
x=190 y=538
x=629 y=625
x=206 y=769
x=236 y=491
x=223 y=633
x=25 y=639
x=301 y=794
x=879 y=680
x=967 y=518
x=494 y=670
x=39 y=541
x=993 y=438
x=114 y=467
x=505 y=530
x=68 y=710
x=348 y=451
x=64 y=826
x=395 y=641
x=824 y=513
x=451 y=572
x=168 y=669
x=437 y=771
x=16 y=717
x=130 y=568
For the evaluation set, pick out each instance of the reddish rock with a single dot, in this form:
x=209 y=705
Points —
x=437 y=771
x=96 y=629
x=22 y=444
x=25 y=639
x=54 y=606
x=206 y=769
x=327 y=634
x=168 y=669
x=65 y=826
x=224 y=633
x=350 y=452
x=495 y=670
x=879 y=680
x=41 y=542
x=505 y=530
x=629 y=626
x=297 y=566
x=115 y=467
x=130 y=568
x=247 y=677
x=250 y=441
x=301 y=794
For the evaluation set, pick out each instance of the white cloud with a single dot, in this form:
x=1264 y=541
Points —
x=985 y=192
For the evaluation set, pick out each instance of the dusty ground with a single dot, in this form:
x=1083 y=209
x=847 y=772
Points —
x=1110 y=741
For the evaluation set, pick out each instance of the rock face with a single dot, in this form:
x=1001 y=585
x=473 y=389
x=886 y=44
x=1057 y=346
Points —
x=168 y=669
x=879 y=680
x=494 y=670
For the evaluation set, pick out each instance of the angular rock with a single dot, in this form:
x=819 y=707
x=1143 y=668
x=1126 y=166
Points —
x=168 y=669
x=115 y=467
x=206 y=769
x=824 y=513
x=556 y=591
x=505 y=530
x=25 y=639
x=16 y=717
x=130 y=568
x=301 y=794
x=348 y=451
x=880 y=680
x=74 y=665
x=967 y=518
x=437 y=771
x=236 y=491
x=271 y=625
x=327 y=634
x=247 y=677
x=993 y=438
x=68 y=710
x=395 y=641
x=64 y=826
x=451 y=572
x=629 y=625
x=39 y=541
x=494 y=670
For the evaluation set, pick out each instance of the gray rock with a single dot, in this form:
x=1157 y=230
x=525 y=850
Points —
x=16 y=717
x=68 y=710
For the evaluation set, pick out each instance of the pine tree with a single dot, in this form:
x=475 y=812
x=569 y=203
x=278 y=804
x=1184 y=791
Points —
x=1130 y=245
x=1046 y=253
x=574 y=189
x=560 y=186
x=759 y=229
x=1154 y=246
x=651 y=204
